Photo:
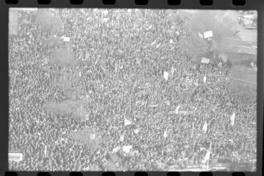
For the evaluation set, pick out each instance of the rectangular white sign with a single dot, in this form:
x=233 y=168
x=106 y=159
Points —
x=17 y=157
x=208 y=34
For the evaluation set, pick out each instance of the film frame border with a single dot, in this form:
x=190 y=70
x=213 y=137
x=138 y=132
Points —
x=152 y=4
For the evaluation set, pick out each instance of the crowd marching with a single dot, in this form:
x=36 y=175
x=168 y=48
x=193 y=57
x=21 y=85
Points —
x=115 y=90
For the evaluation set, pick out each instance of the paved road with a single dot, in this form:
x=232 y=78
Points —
x=248 y=35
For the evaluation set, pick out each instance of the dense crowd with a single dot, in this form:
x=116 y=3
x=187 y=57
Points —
x=121 y=57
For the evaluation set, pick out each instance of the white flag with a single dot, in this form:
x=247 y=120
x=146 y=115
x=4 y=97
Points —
x=205 y=60
x=116 y=149
x=204 y=79
x=45 y=151
x=206 y=157
x=200 y=35
x=205 y=127
x=166 y=75
x=165 y=135
x=136 y=131
x=127 y=148
x=232 y=119
x=172 y=70
x=66 y=39
x=127 y=122
x=177 y=109
x=122 y=137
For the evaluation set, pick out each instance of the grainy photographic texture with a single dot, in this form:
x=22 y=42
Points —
x=132 y=89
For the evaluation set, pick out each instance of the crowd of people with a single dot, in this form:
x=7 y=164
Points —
x=120 y=59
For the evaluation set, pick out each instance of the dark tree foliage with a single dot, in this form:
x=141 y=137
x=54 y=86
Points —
x=221 y=24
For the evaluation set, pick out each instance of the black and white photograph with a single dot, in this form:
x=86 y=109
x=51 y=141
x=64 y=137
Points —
x=94 y=89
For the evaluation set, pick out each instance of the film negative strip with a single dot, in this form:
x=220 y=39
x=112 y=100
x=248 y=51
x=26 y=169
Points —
x=131 y=87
